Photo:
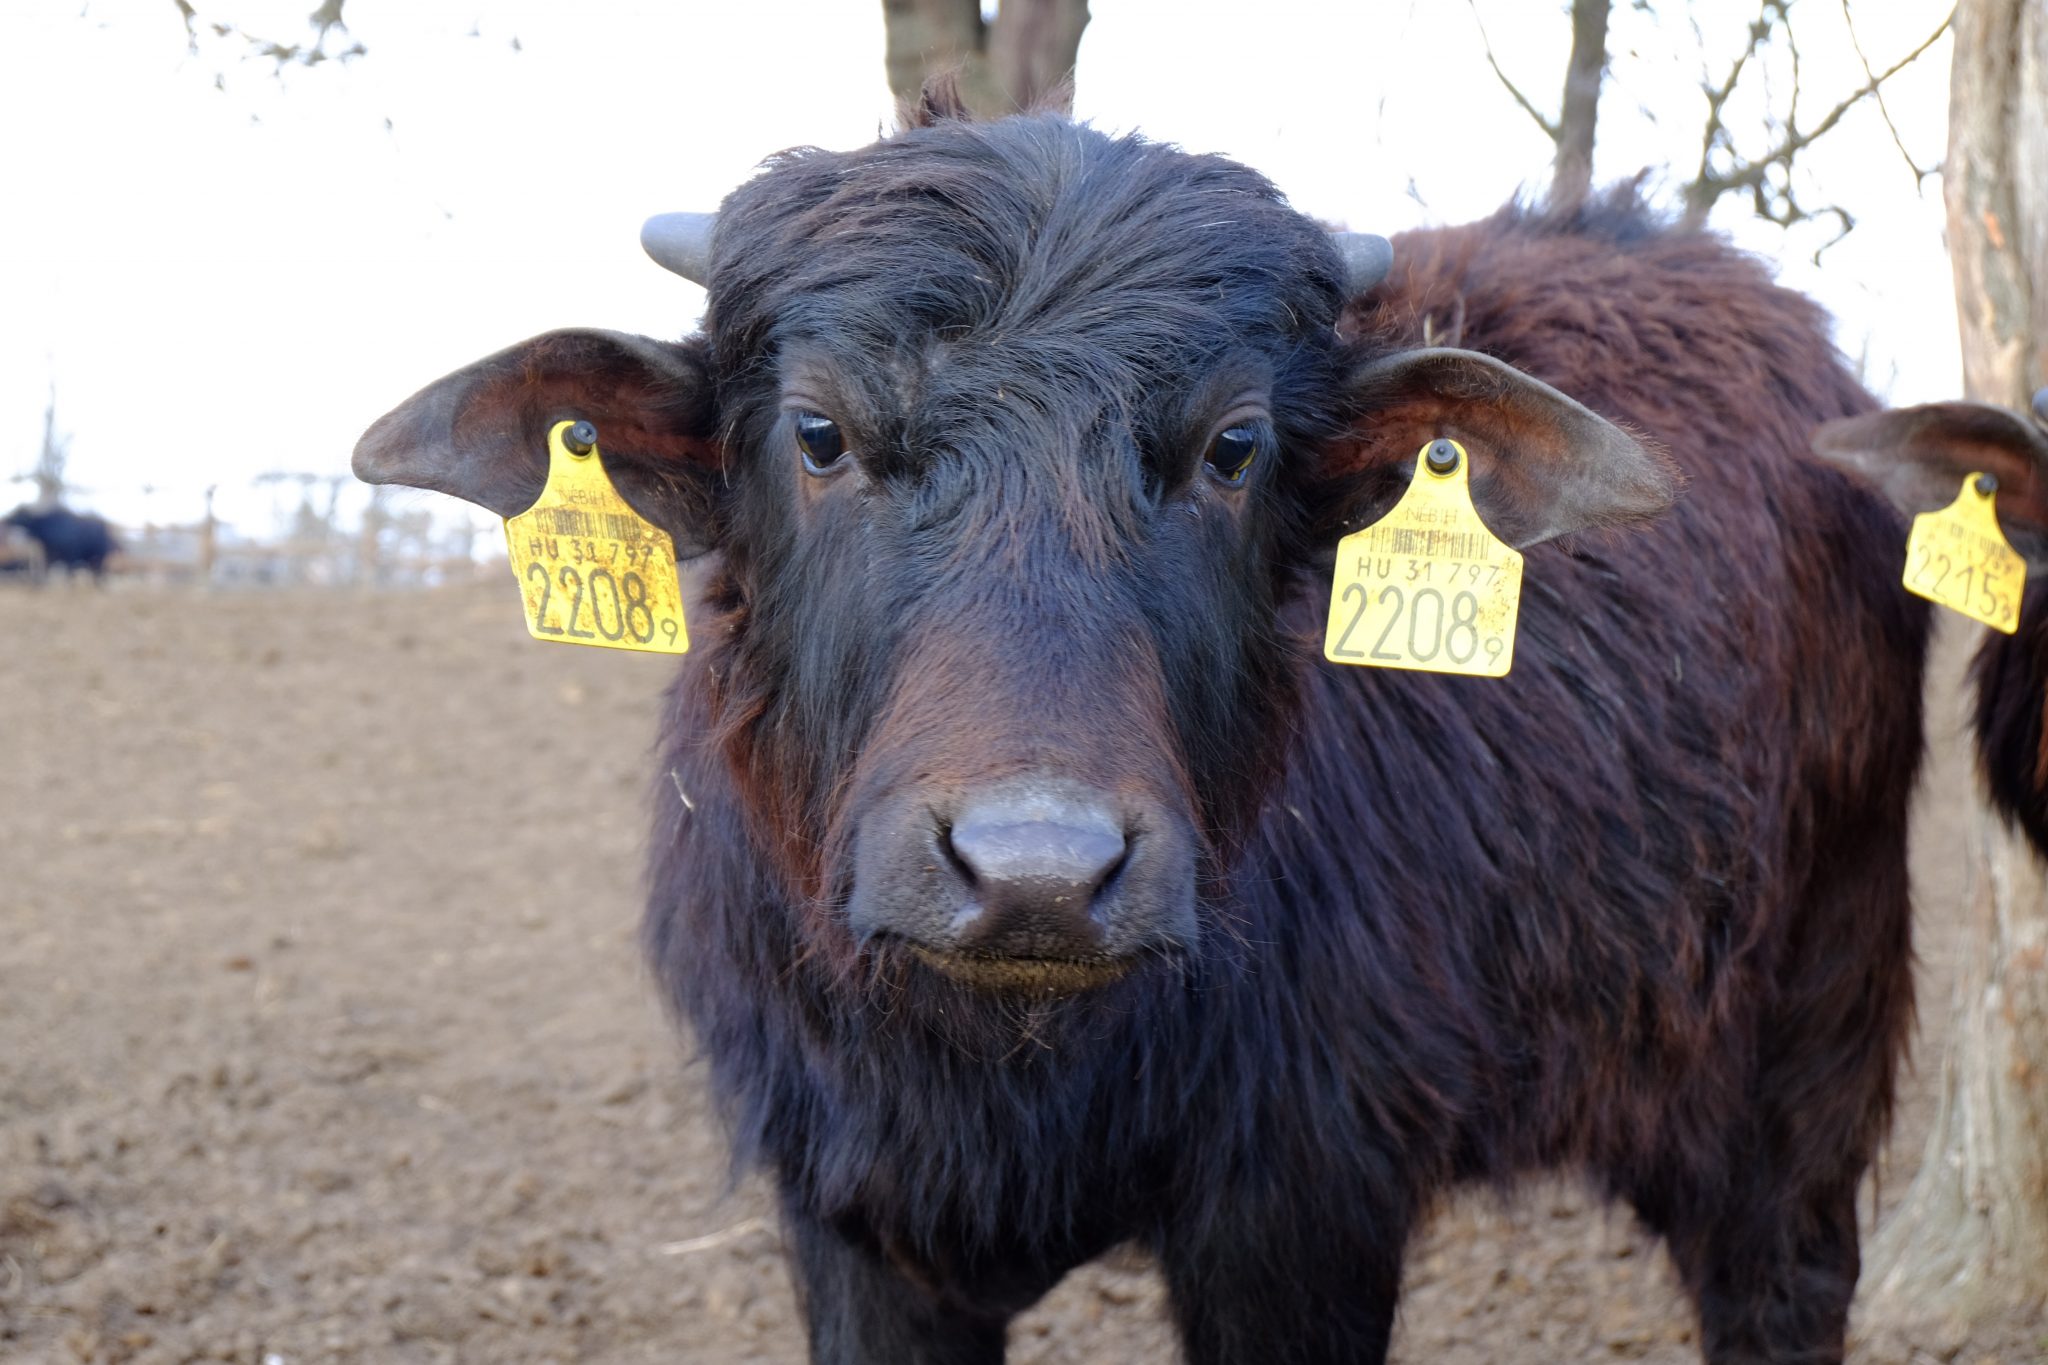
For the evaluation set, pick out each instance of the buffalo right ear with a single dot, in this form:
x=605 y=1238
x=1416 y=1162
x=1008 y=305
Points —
x=1918 y=456
x=481 y=433
x=1542 y=464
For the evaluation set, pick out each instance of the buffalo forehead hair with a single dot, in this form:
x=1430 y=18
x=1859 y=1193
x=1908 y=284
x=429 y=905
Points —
x=1125 y=260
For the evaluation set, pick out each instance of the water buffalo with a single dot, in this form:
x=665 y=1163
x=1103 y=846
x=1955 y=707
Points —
x=1033 y=886
x=70 y=540
x=1919 y=456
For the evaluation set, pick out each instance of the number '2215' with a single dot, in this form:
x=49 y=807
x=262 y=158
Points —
x=1935 y=571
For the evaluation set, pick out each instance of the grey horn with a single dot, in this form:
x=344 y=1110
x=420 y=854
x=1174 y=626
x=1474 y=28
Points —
x=681 y=242
x=1367 y=259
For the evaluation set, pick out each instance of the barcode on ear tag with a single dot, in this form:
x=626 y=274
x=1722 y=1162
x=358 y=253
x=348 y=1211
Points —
x=1960 y=558
x=593 y=571
x=1428 y=586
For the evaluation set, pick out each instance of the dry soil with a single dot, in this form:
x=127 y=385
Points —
x=323 y=1036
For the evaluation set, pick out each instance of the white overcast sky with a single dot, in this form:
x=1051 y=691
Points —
x=226 y=281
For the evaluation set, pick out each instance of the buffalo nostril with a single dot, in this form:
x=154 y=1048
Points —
x=1024 y=872
x=1040 y=873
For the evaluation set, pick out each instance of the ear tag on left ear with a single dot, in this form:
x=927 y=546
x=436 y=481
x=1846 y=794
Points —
x=1427 y=586
x=1960 y=558
x=592 y=570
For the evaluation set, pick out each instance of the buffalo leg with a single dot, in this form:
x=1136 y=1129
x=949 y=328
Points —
x=1768 y=1243
x=1771 y=1272
x=1310 y=1289
x=861 y=1309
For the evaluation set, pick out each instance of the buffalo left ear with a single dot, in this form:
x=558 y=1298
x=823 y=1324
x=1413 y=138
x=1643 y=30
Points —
x=481 y=433
x=1918 y=456
x=1542 y=464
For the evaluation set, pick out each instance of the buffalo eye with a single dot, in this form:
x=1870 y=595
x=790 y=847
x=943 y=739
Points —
x=1232 y=454
x=820 y=440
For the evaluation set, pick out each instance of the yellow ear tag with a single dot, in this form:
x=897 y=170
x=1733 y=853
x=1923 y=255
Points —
x=592 y=570
x=1427 y=586
x=1959 y=558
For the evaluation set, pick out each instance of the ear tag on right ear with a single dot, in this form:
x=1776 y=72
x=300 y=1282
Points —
x=1960 y=558
x=592 y=570
x=1427 y=586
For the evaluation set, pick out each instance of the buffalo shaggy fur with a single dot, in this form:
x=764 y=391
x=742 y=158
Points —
x=1637 y=911
x=2011 y=672
x=2010 y=675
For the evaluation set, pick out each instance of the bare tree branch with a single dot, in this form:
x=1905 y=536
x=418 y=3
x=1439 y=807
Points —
x=323 y=21
x=1753 y=175
x=1919 y=175
x=1550 y=129
x=1792 y=46
x=326 y=17
x=1716 y=132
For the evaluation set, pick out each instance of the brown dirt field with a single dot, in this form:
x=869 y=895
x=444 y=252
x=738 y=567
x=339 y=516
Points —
x=323 y=1036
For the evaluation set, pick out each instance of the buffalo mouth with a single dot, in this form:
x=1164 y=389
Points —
x=1024 y=975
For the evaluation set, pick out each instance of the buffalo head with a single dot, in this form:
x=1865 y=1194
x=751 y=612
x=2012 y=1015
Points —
x=1013 y=443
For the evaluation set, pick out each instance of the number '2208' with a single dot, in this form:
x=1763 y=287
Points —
x=1427 y=633
x=625 y=597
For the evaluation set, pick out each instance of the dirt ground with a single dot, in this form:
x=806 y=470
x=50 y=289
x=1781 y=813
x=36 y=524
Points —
x=323 y=1036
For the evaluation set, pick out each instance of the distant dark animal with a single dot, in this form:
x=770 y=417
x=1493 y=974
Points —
x=70 y=540
x=1919 y=456
x=1033 y=886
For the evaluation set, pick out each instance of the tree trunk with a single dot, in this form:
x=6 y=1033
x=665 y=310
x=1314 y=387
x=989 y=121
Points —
x=1969 y=1242
x=1995 y=182
x=927 y=37
x=1022 y=60
x=1572 y=172
x=1970 y=1239
x=1033 y=49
